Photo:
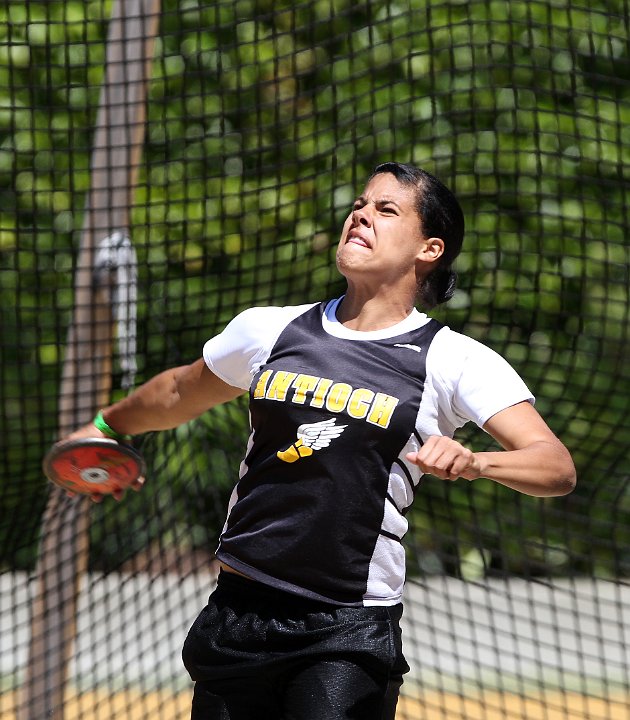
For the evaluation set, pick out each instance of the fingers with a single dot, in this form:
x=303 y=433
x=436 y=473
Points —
x=87 y=431
x=138 y=484
x=94 y=497
x=118 y=495
x=446 y=458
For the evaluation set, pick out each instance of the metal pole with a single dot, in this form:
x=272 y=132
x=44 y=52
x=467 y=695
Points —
x=86 y=380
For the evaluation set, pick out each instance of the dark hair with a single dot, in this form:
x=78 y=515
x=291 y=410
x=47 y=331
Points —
x=440 y=216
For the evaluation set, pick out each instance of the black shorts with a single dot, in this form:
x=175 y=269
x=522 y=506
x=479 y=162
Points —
x=259 y=653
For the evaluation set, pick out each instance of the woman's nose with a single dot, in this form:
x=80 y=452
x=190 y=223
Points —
x=361 y=216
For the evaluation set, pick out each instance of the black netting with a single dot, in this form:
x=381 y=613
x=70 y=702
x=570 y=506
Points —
x=263 y=120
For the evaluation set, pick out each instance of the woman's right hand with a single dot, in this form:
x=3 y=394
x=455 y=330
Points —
x=86 y=431
x=91 y=431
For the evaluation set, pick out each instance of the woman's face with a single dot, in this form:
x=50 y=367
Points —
x=382 y=235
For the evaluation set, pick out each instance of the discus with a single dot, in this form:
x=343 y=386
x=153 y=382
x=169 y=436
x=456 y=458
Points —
x=93 y=466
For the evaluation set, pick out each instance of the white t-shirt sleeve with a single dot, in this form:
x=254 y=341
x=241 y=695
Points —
x=474 y=381
x=235 y=354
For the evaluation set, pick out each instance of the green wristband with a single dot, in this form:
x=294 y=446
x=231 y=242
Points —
x=100 y=424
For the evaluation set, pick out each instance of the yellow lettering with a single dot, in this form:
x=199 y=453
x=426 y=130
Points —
x=302 y=385
x=382 y=409
x=277 y=390
x=261 y=385
x=359 y=402
x=320 y=393
x=338 y=397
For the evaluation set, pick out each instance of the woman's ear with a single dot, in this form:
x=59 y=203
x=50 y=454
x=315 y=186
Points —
x=431 y=249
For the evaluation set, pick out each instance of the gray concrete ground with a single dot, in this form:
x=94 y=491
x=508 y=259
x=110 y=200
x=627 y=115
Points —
x=572 y=634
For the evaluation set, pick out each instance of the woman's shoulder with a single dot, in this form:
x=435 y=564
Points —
x=453 y=354
x=453 y=346
x=263 y=318
x=477 y=380
x=453 y=341
x=272 y=312
x=236 y=352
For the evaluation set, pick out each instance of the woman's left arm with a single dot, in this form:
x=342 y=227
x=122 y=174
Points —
x=533 y=461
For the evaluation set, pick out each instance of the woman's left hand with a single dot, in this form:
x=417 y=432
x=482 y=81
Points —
x=447 y=459
x=532 y=461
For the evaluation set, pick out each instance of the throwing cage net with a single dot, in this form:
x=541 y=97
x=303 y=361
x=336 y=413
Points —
x=164 y=166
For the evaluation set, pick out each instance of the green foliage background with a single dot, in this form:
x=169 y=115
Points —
x=264 y=120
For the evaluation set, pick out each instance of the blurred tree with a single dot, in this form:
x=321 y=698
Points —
x=264 y=120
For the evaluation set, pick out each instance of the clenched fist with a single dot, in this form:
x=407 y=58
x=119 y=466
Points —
x=447 y=459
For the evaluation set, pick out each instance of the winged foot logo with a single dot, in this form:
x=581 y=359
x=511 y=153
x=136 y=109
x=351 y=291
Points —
x=311 y=437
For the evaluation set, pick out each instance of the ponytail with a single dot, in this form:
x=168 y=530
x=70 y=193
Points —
x=437 y=287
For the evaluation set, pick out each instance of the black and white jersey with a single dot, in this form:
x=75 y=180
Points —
x=319 y=508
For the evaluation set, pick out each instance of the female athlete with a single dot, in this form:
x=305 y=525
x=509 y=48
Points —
x=353 y=401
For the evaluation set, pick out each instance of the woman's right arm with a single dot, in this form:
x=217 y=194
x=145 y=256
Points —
x=169 y=399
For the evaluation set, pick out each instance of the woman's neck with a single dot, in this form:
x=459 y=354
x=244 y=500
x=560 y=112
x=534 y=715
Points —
x=368 y=314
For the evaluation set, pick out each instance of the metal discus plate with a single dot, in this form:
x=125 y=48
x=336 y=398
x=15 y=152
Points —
x=93 y=465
